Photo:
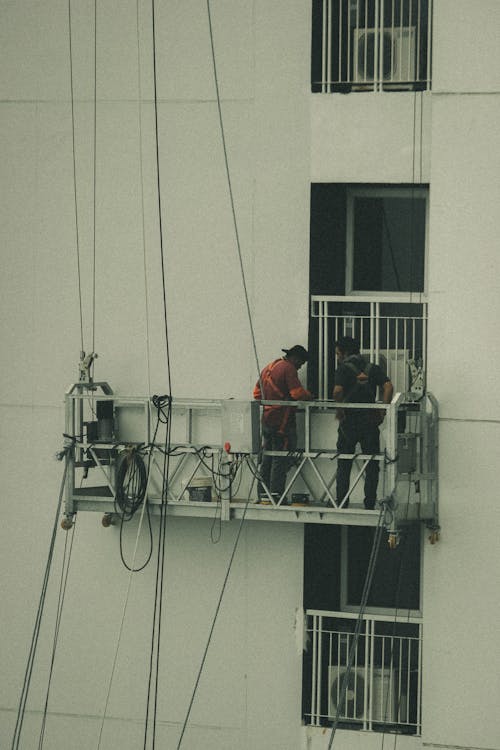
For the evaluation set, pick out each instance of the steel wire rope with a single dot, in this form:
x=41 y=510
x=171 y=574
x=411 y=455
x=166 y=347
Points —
x=231 y=197
x=95 y=184
x=141 y=180
x=77 y=227
x=38 y=619
x=60 y=603
x=357 y=630
x=160 y=564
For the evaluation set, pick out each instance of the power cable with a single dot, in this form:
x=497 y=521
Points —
x=36 y=629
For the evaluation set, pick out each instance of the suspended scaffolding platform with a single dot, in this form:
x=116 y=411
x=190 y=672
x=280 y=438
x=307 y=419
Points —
x=199 y=458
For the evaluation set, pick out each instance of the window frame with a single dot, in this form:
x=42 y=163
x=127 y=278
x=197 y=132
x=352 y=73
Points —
x=412 y=191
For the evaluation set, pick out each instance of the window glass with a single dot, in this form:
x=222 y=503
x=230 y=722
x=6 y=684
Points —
x=396 y=581
x=388 y=243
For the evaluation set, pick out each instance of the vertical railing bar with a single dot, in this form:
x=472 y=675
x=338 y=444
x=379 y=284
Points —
x=321 y=353
x=319 y=668
x=376 y=45
x=372 y=657
x=329 y=48
x=314 y=719
x=400 y=50
x=365 y=36
x=419 y=681
x=396 y=347
x=429 y=36
x=323 y=49
x=348 y=71
x=381 y=46
x=408 y=681
x=410 y=14
x=392 y=41
x=417 y=42
x=340 y=42
x=400 y=675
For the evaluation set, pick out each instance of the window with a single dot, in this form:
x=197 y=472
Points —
x=366 y=45
x=386 y=240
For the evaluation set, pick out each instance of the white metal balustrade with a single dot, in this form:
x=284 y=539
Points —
x=383 y=685
x=393 y=339
x=373 y=44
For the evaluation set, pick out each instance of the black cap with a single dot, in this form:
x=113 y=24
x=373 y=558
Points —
x=297 y=351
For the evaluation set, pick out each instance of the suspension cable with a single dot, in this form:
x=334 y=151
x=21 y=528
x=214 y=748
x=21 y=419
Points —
x=94 y=178
x=231 y=197
x=77 y=228
x=160 y=563
x=36 y=629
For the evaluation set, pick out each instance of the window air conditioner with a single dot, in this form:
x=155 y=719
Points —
x=396 y=365
x=377 y=691
x=398 y=55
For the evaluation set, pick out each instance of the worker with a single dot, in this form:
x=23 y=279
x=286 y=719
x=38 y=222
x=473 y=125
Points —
x=279 y=382
x=357 y=381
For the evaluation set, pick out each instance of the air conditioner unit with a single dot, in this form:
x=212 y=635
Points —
x=397 y=50
x=370 y=696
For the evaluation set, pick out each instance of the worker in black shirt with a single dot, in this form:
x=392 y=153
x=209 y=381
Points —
x=357 y=381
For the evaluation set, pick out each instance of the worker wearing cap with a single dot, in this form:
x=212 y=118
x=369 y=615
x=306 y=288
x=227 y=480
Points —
x=279 y=381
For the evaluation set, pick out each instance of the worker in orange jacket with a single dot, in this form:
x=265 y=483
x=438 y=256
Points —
x=279 y=382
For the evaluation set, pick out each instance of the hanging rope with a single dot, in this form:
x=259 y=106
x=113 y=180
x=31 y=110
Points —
x=95 y=180
x=38 y=620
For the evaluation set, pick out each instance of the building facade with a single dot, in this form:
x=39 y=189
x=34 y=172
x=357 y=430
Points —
x=312 y=147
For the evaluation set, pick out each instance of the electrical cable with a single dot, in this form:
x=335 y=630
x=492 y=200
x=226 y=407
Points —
x=36 y=629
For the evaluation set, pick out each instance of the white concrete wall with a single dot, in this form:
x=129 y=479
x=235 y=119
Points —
x=250 y=692
x=461 y=603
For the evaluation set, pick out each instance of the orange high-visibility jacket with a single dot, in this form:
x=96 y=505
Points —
x=280 y=382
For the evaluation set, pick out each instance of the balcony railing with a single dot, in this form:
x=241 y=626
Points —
x=363 y=45
x=392 y=334
x=383 y=685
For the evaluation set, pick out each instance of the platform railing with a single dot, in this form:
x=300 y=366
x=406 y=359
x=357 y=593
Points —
x=201 y=468
x=385 y=677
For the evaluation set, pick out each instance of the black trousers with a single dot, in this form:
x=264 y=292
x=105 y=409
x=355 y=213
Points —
x=354 y=430
x=273 y=469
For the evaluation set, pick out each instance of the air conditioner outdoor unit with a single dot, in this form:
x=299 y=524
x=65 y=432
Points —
x=397 y=50
x=368 y=696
